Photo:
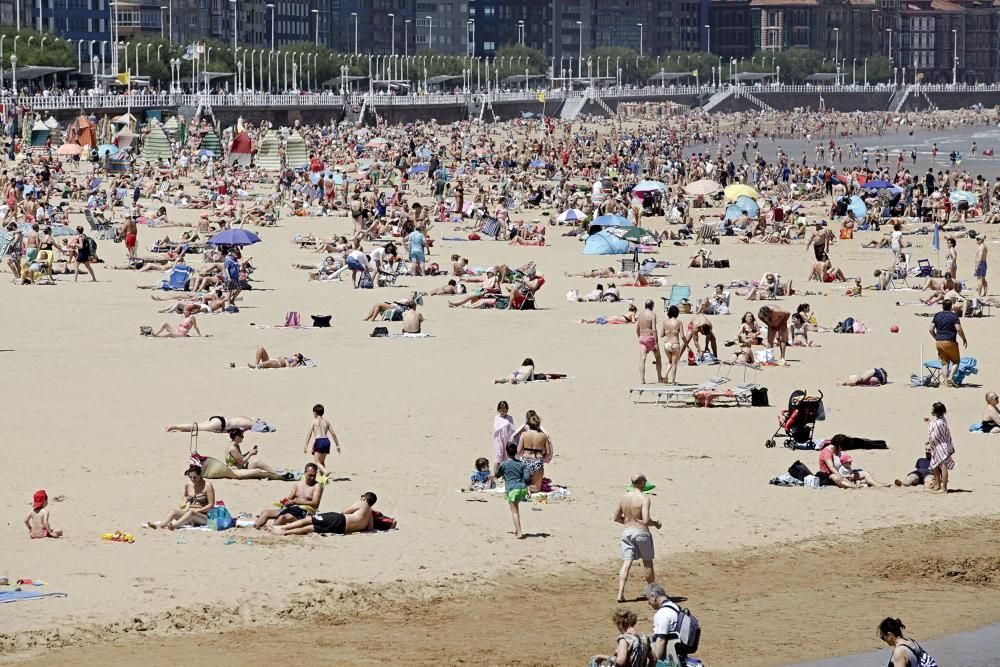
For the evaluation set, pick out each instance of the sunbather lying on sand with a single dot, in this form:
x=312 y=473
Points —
x=216 y=424
x=874 y=377
x=355 y=518
x=628 y=318
x=167 y=330
x=263 y=360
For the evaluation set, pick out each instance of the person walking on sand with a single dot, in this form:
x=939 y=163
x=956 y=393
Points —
x=645 y=330
x=945 y=328
x=515 y=478
x=636 y=541
x=941 y=447
x=981 y=251
x=320 y=433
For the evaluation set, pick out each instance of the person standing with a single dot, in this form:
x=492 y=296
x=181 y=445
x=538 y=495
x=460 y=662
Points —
x=981 y=251
x=231 y=276
x=645 y=330
x=776 y=320
x=85 y=254
x=636 y=541
x=130 y=232
x=515 y=478
x=416 y=243
x=945 y=328
x=503 y=432
x=941 y=446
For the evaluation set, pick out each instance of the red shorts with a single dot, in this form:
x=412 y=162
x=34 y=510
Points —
x=130 y=240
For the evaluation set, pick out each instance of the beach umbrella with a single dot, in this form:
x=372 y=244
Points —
x=649 y=186
x=571 y=215
x=857 y=207
x=634 y=234
x=537 y=164
x=419 y=168
x=204 y=152
x=70 y=149
x=749 y=205
x=959 y=196
x=610 y=221
x=703 y=187
x=107 y=149
x=236 y=236
x=734 y=191
x=877 y=185
x=732 y=212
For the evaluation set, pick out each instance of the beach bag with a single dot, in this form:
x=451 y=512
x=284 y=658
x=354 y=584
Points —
x=366 y=281
x=219 y=517
x=847 y=326
x=292 y=319
x=758 y=397
x=799 y=471
x=321 y=321
x=859 y=327
x=145 y=330
x=764 y=356
x=380 y=332
x=846 y=233
x=687 y=629
x=572 y=295
x=381 y=521
x=91 y=246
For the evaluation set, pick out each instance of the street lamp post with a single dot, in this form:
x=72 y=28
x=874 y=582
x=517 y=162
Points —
x=355 y=15
x=315 y=13
x=866 y=72
x=708 y=33
x=889 y=50
x=430 y=32
x=13 y=74
x=580 y=55
x=271 y=6
x=392 y=37
x=954 y=62
x=836 y=53
x=520 y=32
x=406 y=41
x=854 y=71
x=162 y=24
x=170 y=22
x=640 y=39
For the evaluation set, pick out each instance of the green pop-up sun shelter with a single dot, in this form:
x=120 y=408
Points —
x=156 y=146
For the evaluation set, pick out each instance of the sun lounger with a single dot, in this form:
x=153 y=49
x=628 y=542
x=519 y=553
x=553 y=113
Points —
x=668 y=394
x=678 y=295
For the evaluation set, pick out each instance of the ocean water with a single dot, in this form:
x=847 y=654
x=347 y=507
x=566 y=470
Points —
x=978 y=648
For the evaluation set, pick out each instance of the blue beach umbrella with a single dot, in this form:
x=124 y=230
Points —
x=610 y=221
x=649 y=186
x=107 y=149
x=877 y=185
x=236 y=236
x=857 y=207
x=959 y=196
x=749 y=205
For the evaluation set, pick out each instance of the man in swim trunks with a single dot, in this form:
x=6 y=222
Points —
x=646 y=330
x=412 y=320
x=945 y=328
x=355 y=518
x=301 y=502
x=636 y=540
x=776 y=320
x=981 y=251
x=702 y=326
x=820 y=241
x=130 y=232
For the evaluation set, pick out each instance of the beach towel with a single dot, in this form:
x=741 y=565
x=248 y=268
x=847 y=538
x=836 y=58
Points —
x=216 y=469
x=261 y=426
x=20 y=596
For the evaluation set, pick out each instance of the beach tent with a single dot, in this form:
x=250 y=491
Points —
x=605 y=243
x=155 y=146
x=82 y=132
x=268 y=155
x=120 y=163
x=295 y=151
x=239 y=151
x=858 y=207
x=39 y=135
x=171 y=125
x=51 y=123
x=125 y=137
x=749 y=205
x=210 y=142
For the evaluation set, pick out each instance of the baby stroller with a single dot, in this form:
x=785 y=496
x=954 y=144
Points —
x=797 y=423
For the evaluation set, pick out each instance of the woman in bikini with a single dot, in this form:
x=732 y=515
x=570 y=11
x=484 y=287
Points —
x=263 y=360
x=628 y=318
x=534 y=448
x=670 y=333
x=216 y=424
x=523 y=374
x=874 y=377
x=182 y=330
x=198 y=499
x=238 y=461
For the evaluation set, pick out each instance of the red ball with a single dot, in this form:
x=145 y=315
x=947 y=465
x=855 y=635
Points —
x=894 y=329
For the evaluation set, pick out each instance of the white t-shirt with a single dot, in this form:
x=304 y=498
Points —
x=664 y=621
x=357 y=255
x=377 y=253
x=896 y=240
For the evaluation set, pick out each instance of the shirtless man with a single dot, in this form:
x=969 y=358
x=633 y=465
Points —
x=645 y=330
x=701 y=325
x=776 y=320
x=306 y=494
x=130 y=232
x=412 y=319
x=670 y=332
x=981 y=251
x=820 y=241
x=636 y=540
x=355 y=518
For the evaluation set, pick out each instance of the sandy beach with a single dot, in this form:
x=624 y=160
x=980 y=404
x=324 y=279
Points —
x=87 y=400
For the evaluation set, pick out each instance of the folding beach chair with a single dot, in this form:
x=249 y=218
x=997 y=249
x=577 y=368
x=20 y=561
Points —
x=676 y=393
x=965 y=367
x=390 y=273
x=178 y=280
x=491 y=228
x=707 y=233
x=678 y=294
x=631 y=266
x=899 y=271
x=104 y=230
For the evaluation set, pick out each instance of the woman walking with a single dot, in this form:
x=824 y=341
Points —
x=941 y=447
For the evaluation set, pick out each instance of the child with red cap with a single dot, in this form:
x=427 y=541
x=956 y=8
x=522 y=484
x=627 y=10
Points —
x=37 y=520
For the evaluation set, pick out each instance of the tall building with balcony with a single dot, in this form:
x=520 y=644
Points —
x=494 y=24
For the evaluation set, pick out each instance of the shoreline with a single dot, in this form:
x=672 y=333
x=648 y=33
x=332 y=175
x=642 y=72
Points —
x=947 y=563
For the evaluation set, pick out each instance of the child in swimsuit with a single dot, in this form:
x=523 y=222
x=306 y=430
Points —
x=481 y=478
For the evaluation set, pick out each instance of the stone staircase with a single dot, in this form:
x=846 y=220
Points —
x=746 y=94
x=604 y=105
x=717 y=99
x=572 y=107
x=899 y=98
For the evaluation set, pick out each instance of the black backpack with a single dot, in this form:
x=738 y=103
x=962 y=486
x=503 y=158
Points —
x=91 y=246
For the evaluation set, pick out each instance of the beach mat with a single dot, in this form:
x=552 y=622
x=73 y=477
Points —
x=20 y=596
x=216 y=469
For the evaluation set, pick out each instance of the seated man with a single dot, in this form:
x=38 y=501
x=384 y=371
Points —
x=412 y=319
x=716 y=304
x=303 y=501
x=355 y=518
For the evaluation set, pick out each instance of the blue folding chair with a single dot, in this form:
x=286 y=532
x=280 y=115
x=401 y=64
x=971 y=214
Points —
x=965 y=367
x=179 y=278
x=678 y=294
